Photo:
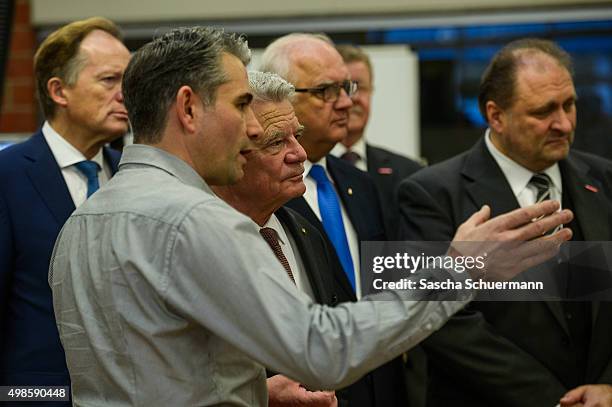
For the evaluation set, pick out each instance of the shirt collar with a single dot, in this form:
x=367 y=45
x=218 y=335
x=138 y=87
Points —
x=322 y=162
x=518 y=176
x=359 y=147
x=141 y=154
x=275 y=224
x=66 y=154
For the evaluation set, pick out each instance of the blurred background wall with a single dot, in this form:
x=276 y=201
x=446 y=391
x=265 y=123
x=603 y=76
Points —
x=426 y=107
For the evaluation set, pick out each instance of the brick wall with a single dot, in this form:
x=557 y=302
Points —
x=19 y=107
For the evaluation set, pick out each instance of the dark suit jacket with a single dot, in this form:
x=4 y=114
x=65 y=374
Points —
x=496 y=353
x=388 y=170
x=34 y=204
x=317 y=256
x=383 y=387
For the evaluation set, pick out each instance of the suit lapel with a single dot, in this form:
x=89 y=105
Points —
x=47 y=179
x=489 y=186
x=112 y=158
x=487 y=183
x=381 y=170
x=346 y=191
x=588 y=201
x=301 y=206
x=299 y=234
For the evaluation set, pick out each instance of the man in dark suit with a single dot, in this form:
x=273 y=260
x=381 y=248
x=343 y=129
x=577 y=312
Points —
x=520 y=353
x=340 y=200
x=386 y=168
x=78 y=72
x=273 y=176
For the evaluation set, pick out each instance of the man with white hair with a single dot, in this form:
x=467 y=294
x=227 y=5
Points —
x=273 y=176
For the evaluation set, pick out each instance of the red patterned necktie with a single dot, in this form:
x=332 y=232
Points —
x=271 y=237
x=351 y=157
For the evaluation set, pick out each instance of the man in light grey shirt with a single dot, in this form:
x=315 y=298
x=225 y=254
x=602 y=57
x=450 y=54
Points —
x=165 y=295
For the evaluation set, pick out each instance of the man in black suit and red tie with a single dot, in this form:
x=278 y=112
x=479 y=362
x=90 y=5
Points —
x=519 y=353
x=273 y=176
x=340 y=200
x=386 y=168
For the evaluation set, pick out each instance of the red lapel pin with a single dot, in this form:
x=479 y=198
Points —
x=385 y=170
x=591 y=188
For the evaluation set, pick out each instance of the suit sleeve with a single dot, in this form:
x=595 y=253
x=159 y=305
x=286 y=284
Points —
x=6 y=260
x=469 y=349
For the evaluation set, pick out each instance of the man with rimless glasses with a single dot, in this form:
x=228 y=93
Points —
x=340 y=200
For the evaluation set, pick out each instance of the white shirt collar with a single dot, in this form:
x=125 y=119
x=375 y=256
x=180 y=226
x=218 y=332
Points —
x=322 y=162
x=275 y=224
x=65 y=153
x=518 y=176
x=359 y=147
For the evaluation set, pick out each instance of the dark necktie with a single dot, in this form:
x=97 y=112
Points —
x=543 y=186
x=271 y=237
x=331 y=217
x=542 y=183
x=90 y=170
x=351 y=157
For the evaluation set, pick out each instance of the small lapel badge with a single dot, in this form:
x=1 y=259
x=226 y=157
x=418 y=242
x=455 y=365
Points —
x=385 y=170
x=591 y=188
x=304 y=231
x=349 y=191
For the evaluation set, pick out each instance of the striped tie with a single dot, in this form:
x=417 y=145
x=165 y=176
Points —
x=542 y=184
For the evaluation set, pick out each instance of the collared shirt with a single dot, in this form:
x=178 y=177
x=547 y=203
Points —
x=518 y=176
x=288 y=246
x=311 y=198
x=359 y=147
x=165 y=295
x=66 y=156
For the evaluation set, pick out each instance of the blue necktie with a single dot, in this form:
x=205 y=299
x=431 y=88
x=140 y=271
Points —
x=331 y=217
x=90 y=170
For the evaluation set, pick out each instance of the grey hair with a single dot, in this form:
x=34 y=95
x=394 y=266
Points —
x=277 y=56
x=270 y=87
x=187 y=56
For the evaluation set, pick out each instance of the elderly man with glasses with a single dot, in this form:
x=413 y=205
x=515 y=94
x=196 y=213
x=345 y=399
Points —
x=340 y=200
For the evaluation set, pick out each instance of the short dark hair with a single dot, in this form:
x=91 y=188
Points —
x=498 y=82
x=351 y=53
x=59 y=56
x=184 y=56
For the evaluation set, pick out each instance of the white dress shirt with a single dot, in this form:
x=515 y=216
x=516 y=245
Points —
x=288 y=246
x=359 y=147
x=351 y=235
x=66 y=156
x=518 y=176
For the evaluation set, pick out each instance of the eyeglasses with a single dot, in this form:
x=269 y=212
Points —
x=331 y=92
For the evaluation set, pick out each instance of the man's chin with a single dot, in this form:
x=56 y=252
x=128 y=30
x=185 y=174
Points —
x=114 y=132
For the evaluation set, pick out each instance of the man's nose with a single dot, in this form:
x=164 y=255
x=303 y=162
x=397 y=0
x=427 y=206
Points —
x=563 y=121
x=254 y=129
x=344 y=101
x=296 y=153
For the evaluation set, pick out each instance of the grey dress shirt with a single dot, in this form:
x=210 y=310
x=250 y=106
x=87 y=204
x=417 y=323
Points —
x=165 y=295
